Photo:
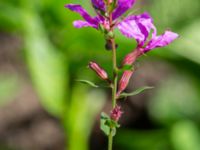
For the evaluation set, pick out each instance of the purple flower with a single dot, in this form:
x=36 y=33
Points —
x=89 y=21
x=122 y=7
x=99 y=5
x=141 y=28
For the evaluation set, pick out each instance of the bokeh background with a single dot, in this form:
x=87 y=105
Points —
x=42 y=107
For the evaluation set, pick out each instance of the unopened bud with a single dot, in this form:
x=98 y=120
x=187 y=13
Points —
x=106 y=24
x=110 y=1
x=116 y=113
x=99 y=71
x=131 y=57
x=123 y=83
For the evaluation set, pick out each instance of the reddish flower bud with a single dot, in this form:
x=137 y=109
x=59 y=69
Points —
x=110 y=1
x=131 y=57
x=106 y=25
x=99 y=71
x=116 y=113
x=124 y=81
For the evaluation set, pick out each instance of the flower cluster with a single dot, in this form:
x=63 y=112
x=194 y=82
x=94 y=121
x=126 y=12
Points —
x=117 y=8
x=116 y=113
x=139 y=27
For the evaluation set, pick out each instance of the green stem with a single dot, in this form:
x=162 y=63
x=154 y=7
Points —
x=115 y=78
x=110 y=140
x=115 y=75
x=114 y=90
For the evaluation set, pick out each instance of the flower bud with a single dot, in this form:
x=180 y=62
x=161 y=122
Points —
x=106 y=25
x=110 y=1
x=116 y=113
x=131 y=57
x=99 y=71
x=124 y=81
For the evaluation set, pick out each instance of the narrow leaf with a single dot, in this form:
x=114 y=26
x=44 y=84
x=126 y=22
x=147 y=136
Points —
x=136 y=92
x=103 y=123
x=88 y=83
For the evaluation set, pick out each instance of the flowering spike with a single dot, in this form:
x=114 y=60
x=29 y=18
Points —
x=116 y=113
x=124 y=81
x=99 y=71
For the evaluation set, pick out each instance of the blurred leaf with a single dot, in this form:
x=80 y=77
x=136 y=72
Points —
x=185 y=136
x=6 y=16
x=47 y=66
x=88 y=83
x=188 y=43
x=82 y=113
x=171 y=12
x=136 y=92
x=142 y=140
x=176 y=98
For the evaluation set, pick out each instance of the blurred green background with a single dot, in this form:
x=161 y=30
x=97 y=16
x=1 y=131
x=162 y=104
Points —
x=42 y=107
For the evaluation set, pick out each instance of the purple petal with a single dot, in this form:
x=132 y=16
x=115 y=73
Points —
x=138 y=27
x=99 y=4
x=161 y=41
x=81 y=24
x=83 y=13
x=122 y=7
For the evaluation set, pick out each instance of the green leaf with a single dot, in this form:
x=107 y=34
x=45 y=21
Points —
x=104 y=116
x=88 y=83
x=186 y=132
x=103 y=123
x=136 y=92
x=108 y=125
x=81 y=116
x=114 y=131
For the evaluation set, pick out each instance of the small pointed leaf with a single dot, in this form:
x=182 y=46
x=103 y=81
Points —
x=113 y=131
x=88 y=83
x=103 y=123
x=136 y=92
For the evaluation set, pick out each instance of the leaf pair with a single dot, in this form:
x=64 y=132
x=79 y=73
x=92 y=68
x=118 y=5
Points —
x=108 y=125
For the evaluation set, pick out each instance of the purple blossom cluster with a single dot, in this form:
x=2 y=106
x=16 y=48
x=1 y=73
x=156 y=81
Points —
x=139 y=27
